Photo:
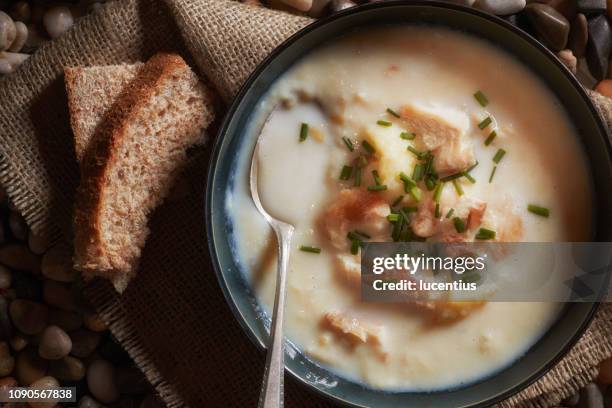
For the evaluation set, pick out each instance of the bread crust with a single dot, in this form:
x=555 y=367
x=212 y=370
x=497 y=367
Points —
x=98 y=160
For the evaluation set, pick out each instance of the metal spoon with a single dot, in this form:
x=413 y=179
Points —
x=273 y=383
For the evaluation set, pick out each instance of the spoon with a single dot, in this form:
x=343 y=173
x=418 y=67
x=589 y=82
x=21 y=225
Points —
x=273 y=382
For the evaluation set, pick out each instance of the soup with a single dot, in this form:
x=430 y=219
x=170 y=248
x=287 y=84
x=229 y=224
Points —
x=433 y=126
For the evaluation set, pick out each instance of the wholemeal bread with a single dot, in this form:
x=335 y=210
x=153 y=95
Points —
x=130 y=154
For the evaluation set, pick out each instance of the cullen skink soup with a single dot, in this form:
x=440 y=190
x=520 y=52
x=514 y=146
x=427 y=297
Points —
x=406 y=134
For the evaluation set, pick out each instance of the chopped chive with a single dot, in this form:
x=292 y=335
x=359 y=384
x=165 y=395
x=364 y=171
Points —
x=469 y=177
x=410 y=209
x=346 y=172
x=357 y=180
x=486 y=122
x=393 y=217
x=362 y=234
x=418 y=172
x=397 y=229
x=349 y=143
x=383 y=123
x=485 y=233
x=377 y=188
x=430 y=183
x=429 y=168
x=368 y=147
x=303 y=132
x=499 y=155
x=407 y=181
x=362 y=161
x=458 y=188
x=418 y=154
x=407 y=135
x=405 y=211
x=410 y=187
x=397 y=201
x=392 y=112
x=376 y=177
x=415 y=193
x=312 y=250
x=452 y=176
x=437 y=213
x=355 y=246
x=459 y=224
x=472 y=167
x=537 y=210
x=490 y=139
x=481 y=98
x=492 y=174
x=450 y=213
x=357 y=235
x=438 y=192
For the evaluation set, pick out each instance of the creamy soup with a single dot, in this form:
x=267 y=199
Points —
x=374 y=124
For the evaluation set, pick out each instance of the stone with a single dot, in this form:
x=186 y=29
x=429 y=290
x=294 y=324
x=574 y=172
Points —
x=26 y=286
x=565 y=7
x=5 y=384
x=578 y=35
x=569 y=60
x=591 y=397
x=605 y=88
x=5 y=278
x=605 y=372
x=101 y=381
x=7 y=361
x=519 y=20
x=19 y=257
x=54 y=344
x=599 y=46
x=28 y=316
x=88 y=402
x=501 y=7
x=591 y=6
x=94 y=323
x=21 y=11
x=609 y=8
x=6 y=328
x=318 y=8
x=84 y=342
x=572 y=400
x=58 y=295
x=610 y=68
x=44 y=383
x=67 y=320
x=57 y=20
x=7 y=31
x=19 y=342
x=37 y=244
x=301 y=5
x=67 y=369
x=131 y=381
x=57 y=265
x=339 y=5
x=17 y=224
x=552 y=27
x=30 y=367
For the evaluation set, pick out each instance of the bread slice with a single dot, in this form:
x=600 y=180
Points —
x=130 y=154
x=91 y=92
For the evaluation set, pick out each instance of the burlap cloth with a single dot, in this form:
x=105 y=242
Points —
x=173 y=319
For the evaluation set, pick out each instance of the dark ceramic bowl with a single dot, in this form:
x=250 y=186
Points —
x=234 y=136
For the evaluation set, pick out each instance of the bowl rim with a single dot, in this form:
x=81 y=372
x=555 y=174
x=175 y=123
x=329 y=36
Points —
x=269 y=59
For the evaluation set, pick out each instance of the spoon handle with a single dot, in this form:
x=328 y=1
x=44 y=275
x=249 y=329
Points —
x=273 y=383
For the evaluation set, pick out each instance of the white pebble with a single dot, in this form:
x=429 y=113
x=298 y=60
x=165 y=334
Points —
x=20 y=38
x=57 y=21
x=7 y=31
x=101 y=381
x=501 y=7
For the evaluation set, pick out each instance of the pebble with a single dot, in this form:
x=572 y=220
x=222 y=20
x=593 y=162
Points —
x=19 y=257
x=57 y=20
x=84 y=342
x=37 y=244
x=572 y=400
x=301 y=5
x=18 y=342
x=67 y=320
x=565 y=7
x=551 y=26
x=605 y=88
x=7 y=361
x=131 y=381
x=610 y=68
x=57 y=265
x=67 y=369
x=21 y=11
x=54 y=344
x=44 y=383
x=591 y=397
x=28 y=316
x=5 y=69
x=609 y=7
x=58 y=295
x=599 y=46
x=35 y=39
x=591 y=6
x=94 y=323
x=318 y=8
x=101 y=381
x=339 y=5
x=6 y=329
x=569 y=60
x=605 y=372
x=20 y=38
x=5 y=278
x=30 y=367
x=14 y=59
x=7 y=31
x=501 y=7
x=578 y=35
x=88 y=402
x=26 y=286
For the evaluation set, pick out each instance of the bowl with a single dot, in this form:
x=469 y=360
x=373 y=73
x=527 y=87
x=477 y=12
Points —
x=233 y=135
